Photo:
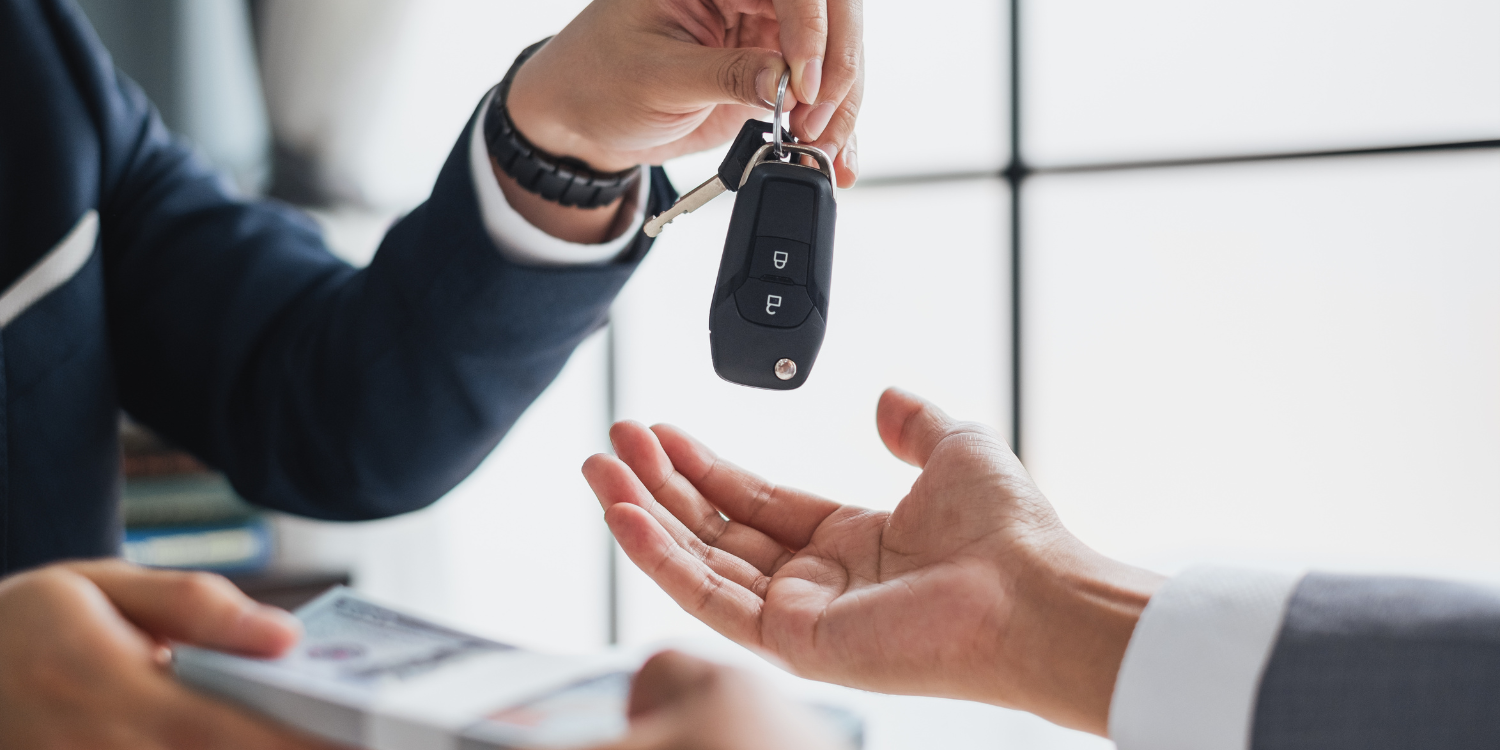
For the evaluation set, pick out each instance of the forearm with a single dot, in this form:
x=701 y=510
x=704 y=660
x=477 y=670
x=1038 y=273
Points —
x=375 y=394
x=1077 y=611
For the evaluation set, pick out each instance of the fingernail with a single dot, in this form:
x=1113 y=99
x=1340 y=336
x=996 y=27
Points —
x=765 y=86
x=280 y=618
x=817 y=119
x=851 y=162
x=266 y=630
x=812 y=79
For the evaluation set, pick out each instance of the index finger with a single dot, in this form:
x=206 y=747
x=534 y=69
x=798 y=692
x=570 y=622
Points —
x=786 y=515
x=804 y=39
x=689 y=511
x=731 y=609
x=203 y=609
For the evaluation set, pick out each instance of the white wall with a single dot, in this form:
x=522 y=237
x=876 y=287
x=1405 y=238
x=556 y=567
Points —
x=1159 y=79
x=1285 y=364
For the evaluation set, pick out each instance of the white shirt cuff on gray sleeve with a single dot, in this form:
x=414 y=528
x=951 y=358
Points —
x=1192 y=669
x=521 y=242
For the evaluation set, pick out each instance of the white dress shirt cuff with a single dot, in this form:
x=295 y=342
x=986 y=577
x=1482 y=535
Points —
x=1192 y=669
x=521 y=242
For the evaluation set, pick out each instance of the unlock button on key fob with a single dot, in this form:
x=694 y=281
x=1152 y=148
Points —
x=773 y=257
x=772 y=304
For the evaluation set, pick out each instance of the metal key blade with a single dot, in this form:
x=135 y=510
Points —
x=694 y=200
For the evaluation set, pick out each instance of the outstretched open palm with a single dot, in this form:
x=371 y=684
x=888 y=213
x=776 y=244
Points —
x=907 y=601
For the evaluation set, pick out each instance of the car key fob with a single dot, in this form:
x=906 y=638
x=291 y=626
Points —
x=770 y=303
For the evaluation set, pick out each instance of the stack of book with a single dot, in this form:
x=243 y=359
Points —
x=181 y=514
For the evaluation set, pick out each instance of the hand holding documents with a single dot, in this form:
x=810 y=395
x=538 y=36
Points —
x=370 y=676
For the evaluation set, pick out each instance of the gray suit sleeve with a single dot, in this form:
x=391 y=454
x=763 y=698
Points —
x=1377 y=663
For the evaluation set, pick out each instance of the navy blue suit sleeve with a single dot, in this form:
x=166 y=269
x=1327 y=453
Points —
x=317 y=388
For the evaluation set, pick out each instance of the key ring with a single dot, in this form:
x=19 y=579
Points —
x=786 y=75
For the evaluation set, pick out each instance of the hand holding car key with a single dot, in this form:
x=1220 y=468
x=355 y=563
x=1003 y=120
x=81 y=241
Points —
x=770 y=304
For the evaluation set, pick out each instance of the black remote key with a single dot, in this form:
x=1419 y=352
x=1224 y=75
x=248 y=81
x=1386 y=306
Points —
x=770 y=304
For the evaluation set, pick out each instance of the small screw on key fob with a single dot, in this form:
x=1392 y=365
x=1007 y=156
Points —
x=770 y=304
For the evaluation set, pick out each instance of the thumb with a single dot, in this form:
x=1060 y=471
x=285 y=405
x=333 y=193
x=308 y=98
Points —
x=721 y=75
x=660 y=718
x=201 y=609
x=666 y=679
x=910 y=426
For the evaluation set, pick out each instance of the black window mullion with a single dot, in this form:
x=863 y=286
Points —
x=1015 y=175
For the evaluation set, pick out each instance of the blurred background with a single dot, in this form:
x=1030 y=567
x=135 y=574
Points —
x=1228 y=275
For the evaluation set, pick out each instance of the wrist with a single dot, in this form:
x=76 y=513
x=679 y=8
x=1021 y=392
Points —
x=1077 y=612
x=544 y=118
x=568 y=223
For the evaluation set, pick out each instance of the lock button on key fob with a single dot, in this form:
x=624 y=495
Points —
x=776 y=259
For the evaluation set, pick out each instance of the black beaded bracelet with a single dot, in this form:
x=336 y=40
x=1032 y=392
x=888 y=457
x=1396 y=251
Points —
x=560 y=179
